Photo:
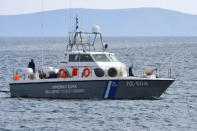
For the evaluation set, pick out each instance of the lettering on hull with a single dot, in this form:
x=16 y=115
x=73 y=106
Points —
x=137 y=84
x=73 y=86
x=64 y=89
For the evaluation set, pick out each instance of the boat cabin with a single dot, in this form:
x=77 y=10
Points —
x=94 y=61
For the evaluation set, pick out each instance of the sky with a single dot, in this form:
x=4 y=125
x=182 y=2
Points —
x=14 y=7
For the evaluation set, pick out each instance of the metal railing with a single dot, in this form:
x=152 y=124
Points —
x=137 y=73
x=159 y=73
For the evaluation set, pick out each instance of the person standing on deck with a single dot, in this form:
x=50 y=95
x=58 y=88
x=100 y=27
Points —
x=130 y=71
x=32 y=65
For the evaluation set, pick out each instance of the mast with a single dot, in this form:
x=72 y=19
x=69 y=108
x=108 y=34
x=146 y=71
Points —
x=78 y=39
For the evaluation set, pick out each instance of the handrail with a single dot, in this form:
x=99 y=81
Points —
x=137 y=73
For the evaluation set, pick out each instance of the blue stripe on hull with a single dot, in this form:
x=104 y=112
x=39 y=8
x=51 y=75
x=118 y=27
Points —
x=114 y=86
x=110 y=89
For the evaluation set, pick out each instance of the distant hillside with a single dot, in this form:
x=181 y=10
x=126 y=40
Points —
x=122 y=22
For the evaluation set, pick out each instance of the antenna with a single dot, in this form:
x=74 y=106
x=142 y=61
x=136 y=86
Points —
x=42 y=30
x=70 y=13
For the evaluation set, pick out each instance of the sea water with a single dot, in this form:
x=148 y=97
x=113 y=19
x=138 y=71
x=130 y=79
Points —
x=176 y=110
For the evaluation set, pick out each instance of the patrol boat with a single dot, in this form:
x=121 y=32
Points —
x=87 y=73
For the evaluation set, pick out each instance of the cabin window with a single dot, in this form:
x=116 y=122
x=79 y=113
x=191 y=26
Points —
x=85 y=58
x=112 y=58
x=74 y=58
x=101 y=58
x=80 y=58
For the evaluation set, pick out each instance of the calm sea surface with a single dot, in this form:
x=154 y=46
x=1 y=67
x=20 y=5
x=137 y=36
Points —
x=176 y=110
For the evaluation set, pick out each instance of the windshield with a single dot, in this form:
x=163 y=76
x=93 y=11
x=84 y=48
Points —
x=80 y=58
x=112 y=58
x=101 y=58
x=105 y=58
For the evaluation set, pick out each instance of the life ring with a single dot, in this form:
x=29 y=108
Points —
x=86 y=72
x=62 y=73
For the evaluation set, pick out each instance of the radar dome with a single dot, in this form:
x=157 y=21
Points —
x=96 y=29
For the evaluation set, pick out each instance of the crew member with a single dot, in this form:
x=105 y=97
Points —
x=130 y=71
x=32 y=65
